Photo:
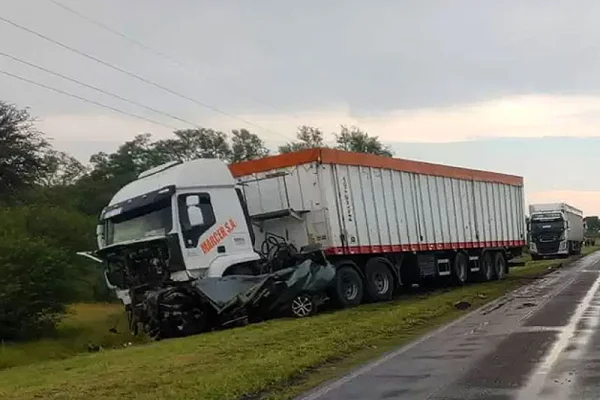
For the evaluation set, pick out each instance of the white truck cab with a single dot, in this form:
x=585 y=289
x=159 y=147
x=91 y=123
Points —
x=191 y=214
x=555 y=229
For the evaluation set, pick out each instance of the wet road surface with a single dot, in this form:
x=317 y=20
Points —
x=539 y=342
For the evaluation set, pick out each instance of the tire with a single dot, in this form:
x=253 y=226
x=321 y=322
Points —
x=460 y=269
x=499 y=266
x=486 y=267
x=348 y=288
x=379 y=280
x=303 y=306
x=536 y=257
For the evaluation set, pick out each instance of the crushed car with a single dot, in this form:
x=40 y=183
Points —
x=291 y=283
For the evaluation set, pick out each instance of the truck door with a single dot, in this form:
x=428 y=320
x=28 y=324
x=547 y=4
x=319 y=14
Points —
x=214 y=231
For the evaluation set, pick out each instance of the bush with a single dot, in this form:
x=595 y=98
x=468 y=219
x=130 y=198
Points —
x=40 y=271
x=34 y=287
x=67 y=230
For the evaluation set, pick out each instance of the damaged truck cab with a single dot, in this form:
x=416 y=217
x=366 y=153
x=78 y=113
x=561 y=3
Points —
x=177 y=222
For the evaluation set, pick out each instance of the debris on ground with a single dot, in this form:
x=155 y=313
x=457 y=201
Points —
x=93 y=348
x=462 y=305
x=526 y=305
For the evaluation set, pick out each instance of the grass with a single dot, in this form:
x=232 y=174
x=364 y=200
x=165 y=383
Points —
x=272 y=360
x=84 y=324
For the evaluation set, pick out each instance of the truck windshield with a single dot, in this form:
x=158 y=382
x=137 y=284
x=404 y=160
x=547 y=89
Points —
x=139 y=224
x=552 y=223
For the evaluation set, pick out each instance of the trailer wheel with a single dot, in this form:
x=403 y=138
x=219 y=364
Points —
x=302 y=306
x=499 y=266
x=348 y=290
x=379 y=280
x=486 y=267
x=460 y=268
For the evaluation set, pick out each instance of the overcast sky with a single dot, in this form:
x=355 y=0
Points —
x=511 y=86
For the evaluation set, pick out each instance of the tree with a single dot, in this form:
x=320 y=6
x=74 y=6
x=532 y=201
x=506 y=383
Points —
x=593 y=224
x=61 y=169
x=194 y=143
x=131 y=158
x=39 y=270
x=246 y=146
x=308 y=138
x=34 y=287
x=21 y=152
x=354 y=139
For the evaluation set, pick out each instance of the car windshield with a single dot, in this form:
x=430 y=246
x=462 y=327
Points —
x=136 y=225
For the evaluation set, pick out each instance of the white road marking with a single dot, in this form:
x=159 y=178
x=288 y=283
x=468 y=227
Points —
x=538 y=379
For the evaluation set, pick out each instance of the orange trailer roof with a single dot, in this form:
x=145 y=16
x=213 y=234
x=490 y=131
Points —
x=333 y=156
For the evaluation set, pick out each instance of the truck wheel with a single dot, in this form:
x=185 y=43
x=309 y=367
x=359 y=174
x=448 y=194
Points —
x=348 y=290
x=379 y=280
x=460 y=268
x=486 y=267
x=536 y=257
x=499 y=266
x=302 y=306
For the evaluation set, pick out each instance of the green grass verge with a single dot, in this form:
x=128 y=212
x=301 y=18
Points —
x=273 y=360
x=83 y=324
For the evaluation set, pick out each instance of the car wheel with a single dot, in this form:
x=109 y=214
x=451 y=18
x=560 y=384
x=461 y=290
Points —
x=303 y=306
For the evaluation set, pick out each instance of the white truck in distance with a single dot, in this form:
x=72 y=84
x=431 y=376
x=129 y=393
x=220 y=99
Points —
x=382 y=222
x=556 y=230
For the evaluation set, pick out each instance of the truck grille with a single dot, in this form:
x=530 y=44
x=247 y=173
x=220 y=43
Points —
x=547 y=247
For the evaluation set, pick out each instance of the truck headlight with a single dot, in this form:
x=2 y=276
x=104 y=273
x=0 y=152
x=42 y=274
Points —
x=532 y=247
x=562 y=246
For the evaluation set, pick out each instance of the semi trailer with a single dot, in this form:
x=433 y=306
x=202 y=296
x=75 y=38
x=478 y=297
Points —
x=555 y=230
x=382 y=222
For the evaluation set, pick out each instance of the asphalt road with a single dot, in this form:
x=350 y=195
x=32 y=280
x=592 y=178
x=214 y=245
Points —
x=539 y=342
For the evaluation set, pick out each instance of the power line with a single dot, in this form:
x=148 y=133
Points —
x=38 y=67
x=83 y=99
x=115 y=32
x=131 y=40
x=133 y=75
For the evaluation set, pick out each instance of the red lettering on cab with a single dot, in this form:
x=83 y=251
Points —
x=218 y=235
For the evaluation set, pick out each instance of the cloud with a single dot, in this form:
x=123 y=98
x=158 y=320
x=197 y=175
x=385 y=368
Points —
x=533 y=116
x=588 y=201
x=507 y=117
x=94 y=127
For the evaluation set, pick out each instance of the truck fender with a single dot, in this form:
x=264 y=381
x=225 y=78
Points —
x=349 y=263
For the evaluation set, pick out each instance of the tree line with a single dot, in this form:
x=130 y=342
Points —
x=50 y=202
